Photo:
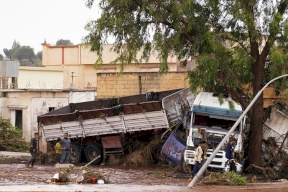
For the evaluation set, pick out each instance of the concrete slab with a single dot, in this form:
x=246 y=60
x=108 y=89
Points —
x=14 y=157
x=14 y=154
x=63 y=166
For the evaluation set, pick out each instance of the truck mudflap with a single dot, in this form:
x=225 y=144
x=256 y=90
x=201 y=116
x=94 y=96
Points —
x=112 y=145
x=173 y=149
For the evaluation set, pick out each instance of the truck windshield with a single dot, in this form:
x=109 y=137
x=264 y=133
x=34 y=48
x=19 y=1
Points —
x=206 y=121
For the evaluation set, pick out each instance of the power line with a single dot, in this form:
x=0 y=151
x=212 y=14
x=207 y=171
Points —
x=61 y=82
x=82 y=97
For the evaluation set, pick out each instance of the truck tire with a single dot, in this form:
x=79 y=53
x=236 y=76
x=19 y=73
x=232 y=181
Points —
x=157 y=153
x=75 y=154
x=91 y=151
x=185 y=168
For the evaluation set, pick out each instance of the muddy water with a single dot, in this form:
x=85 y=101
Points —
x=16 y=177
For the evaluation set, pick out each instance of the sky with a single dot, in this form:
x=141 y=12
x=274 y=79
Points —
x=31 y=22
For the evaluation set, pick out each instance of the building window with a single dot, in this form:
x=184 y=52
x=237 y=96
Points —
x=18 y=120
x=51 y=109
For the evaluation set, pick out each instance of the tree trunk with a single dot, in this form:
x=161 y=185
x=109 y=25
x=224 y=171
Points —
x=255 y=137
x=256 y=133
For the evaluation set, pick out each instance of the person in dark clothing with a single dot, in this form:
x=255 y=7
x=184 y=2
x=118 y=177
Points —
x=230 y=154
x=33 y=150
x=66 y=145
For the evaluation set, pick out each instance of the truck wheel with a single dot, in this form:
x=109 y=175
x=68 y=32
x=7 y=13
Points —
x=92 y=151
x=75 y=154
x=157 y=153
x=184 y=167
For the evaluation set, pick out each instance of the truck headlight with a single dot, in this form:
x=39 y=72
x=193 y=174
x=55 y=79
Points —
x=190 y=155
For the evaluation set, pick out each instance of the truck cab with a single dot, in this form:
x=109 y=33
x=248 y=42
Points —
x=211 y=120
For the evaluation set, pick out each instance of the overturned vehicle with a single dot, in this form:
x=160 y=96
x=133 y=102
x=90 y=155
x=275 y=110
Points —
x=110 y=126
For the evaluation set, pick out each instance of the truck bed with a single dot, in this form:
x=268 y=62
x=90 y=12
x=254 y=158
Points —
x=91 y=119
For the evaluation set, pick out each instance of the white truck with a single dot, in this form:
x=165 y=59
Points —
x=208 y=119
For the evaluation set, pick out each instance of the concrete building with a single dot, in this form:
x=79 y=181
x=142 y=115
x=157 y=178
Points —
x=78 y=62
x=23 y=107
x=27 y=92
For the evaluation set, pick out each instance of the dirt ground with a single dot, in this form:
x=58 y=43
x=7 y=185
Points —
x=16 y=177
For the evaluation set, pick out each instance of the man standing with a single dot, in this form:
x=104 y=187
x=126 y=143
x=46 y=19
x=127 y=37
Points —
x=230 y=153
x=66 y=145
x=33 y=150
x=200 y=157
x=58 y=150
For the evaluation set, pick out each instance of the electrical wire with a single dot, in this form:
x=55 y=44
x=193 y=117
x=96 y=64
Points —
x=82 y=97
x=61 y=82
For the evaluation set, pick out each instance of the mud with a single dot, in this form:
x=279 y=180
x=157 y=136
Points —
x=16 y=177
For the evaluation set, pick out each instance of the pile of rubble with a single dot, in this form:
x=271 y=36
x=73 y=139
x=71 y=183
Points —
x=84 y=175
x=275 y=141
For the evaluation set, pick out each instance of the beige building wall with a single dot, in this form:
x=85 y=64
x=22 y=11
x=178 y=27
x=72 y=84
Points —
x=112 y=85
x=81 y=55
x=81 y=77
x=40 y=78
x=77 y=63
x=269 y=96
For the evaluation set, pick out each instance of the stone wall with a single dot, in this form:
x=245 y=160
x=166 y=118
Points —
x=114 y=85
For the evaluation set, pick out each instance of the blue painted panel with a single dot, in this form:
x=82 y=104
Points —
x=216 y=111
x=173 y=149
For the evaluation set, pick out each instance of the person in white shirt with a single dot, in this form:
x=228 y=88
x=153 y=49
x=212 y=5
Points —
x=200 y=157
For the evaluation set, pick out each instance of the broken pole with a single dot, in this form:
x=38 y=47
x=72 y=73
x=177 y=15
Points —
x=92 y=161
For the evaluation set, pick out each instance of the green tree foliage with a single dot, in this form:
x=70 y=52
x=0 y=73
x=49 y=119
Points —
x=233 y=41
x=10 y=52
x=39 y=55
x=38 y=59
x=7 y=53
x=63 y=42
x=20 y=52
x=10 y=137
x=1 y=57
x=24 y=52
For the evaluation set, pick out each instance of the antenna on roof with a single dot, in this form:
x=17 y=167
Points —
x=72 y=85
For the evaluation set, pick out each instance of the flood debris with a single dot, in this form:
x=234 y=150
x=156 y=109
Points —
x=83 y=175
x=266 y=171
x=46 y=158
x=275 y=159
x=142 y=153
x=227 y=178
x=90 y=176
x=63 y=176
x=275 y=142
